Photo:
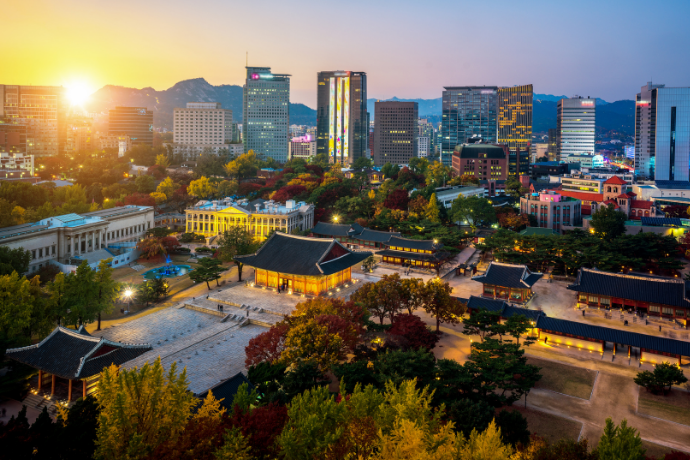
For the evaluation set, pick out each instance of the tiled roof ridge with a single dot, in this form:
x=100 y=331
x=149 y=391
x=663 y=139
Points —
x=636 y=277
x=403 y=238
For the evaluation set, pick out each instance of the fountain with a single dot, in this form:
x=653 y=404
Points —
x=168 y=271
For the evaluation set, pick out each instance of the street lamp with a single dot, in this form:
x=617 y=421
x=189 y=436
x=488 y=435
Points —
x=128 y=295
x=336 y=219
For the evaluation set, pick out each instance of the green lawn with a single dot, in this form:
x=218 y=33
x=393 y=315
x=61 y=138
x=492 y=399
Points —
x=562 y=378
x=548 y=426
x=675 y=406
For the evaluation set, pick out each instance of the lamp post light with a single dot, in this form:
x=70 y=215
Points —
x=128 y=296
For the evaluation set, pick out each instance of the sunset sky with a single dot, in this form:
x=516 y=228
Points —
x=409 y=49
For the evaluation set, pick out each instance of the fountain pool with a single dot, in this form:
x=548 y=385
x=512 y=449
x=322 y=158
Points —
x=168 y=271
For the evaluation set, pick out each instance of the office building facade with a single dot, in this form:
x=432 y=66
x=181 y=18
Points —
x=266 y=113
x=202 y=126
x=303 y=147
x=396 y=132
x=42 y=110
x=135 y=122
x=575 y=122
x=12 y=137
x=341 y=115
x=468 y=111
x=662 y=133
x=553 y=144
x=515 y=125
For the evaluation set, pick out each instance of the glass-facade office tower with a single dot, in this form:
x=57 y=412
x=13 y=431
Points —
x=515 y=125
x=575 y=121
x=662 y=133
x=135 y=122
x=341 y=115
x=266 y=113
x=396 y=133
x=553 y=144
x=467 y=111
x=42 y=110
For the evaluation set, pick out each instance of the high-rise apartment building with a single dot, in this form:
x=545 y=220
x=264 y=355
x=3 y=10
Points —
x=42 y=110
x=200 y=126
x=553 y=144
x=468 y=111
x=266 y=113
x=135 y=122
x=575 y=122
x=396 y=132
x=341 y=115
x=662 y=133
x=515 y=125
x=427 y=138
x=303 y=147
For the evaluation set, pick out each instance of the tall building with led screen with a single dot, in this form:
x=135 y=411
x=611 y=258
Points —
x=266 y=113
x=341 y=115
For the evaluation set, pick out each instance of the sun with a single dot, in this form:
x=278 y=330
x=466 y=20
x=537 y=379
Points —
x=78 y=93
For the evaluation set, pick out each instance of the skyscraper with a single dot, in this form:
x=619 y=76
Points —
x=553 y=144
x=341 y=115
x=202 y=125
x=135 y=122
x=515 y=125
x=467 y=111
x=42 y=109
x=396 y=132
x=266 y=113
x=575 y=122
x=662 y=133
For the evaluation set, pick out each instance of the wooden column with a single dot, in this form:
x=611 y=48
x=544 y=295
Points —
x=84 y=382
x=40 y=379
x=629 y=351
x=69 y=391
x=52 y=388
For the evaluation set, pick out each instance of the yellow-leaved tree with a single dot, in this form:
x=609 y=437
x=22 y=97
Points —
x=166 y=187
x=310 y=340
x=201 y=188
x=141 y=409
x=162 y=160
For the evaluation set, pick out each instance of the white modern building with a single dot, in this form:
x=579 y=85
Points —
x=69 y=239
x=303 y=147
x=446 y=195
x=266 y=113
x=258 y=217
x=17 y=161
x=662 y=133
x=575 y=122
x=423 y=146
x=585 y=159
x=202 y=125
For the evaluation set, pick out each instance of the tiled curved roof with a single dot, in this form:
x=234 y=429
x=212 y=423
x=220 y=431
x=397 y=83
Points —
x=426 y=245
x=508 y=275
x=74 y=354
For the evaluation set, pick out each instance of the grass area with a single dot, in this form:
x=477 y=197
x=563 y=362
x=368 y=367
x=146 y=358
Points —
x=562 y=378
x=675 y=406
x=655 y=450
x=548 y=426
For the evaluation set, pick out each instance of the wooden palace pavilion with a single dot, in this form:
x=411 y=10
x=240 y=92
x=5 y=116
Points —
x=75 y=358
x=509 y=282
x=302 y=265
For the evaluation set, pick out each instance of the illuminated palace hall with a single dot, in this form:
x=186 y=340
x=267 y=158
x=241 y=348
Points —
x=302 y=265
x=259 y=217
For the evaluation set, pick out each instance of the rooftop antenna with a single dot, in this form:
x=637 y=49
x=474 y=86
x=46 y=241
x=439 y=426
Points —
x=247 y=64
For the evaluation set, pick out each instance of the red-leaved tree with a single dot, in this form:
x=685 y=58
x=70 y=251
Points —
x=266 y=346
x=288 y=192
x=246 y=188
x=140 y=199
x=412 y=328
x=170 y=243
x=261 y=426
x=397 y=199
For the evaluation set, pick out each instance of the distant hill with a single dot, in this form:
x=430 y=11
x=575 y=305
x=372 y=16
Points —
x=196 y=90
x=426 y=106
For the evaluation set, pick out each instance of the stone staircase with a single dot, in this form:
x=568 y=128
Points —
x=38 y=402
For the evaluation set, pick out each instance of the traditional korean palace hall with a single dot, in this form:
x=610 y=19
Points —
x=69 y=362
x=353 y=235
x=561 y=333
x=417 y=253
x=302 y=265
x=508 y=282
x=652 y=295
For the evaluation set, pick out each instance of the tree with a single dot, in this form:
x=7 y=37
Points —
x=12 y=260
x=267 y=346
x=469 y=415
x=145 y=184
x=15 y=308
x=80 y=292
x=142 y=409
x=243 y=166
x=517 y=326
x=397 y=199
x=311 y=341
x=432 y=212
x=162 y=160
x=235 y=241
x=209 y=270
x=620 y=442
x=261 y=426
x=413 y=294
x=414 y=330
x=151 y=247
x=513 y=427
x=608 y=223
x=107 y=289
x=514 y=187
x=437 y=174
x=482 y=323
x=473 y=211
x=486 y=445
x=146 y=293
x=440 y=304
x=201 y=188
x=665 y=375
x=166 y=187
x=368 y=263
x=382 y=298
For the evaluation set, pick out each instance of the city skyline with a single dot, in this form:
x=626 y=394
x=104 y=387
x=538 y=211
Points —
x=157 y=56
